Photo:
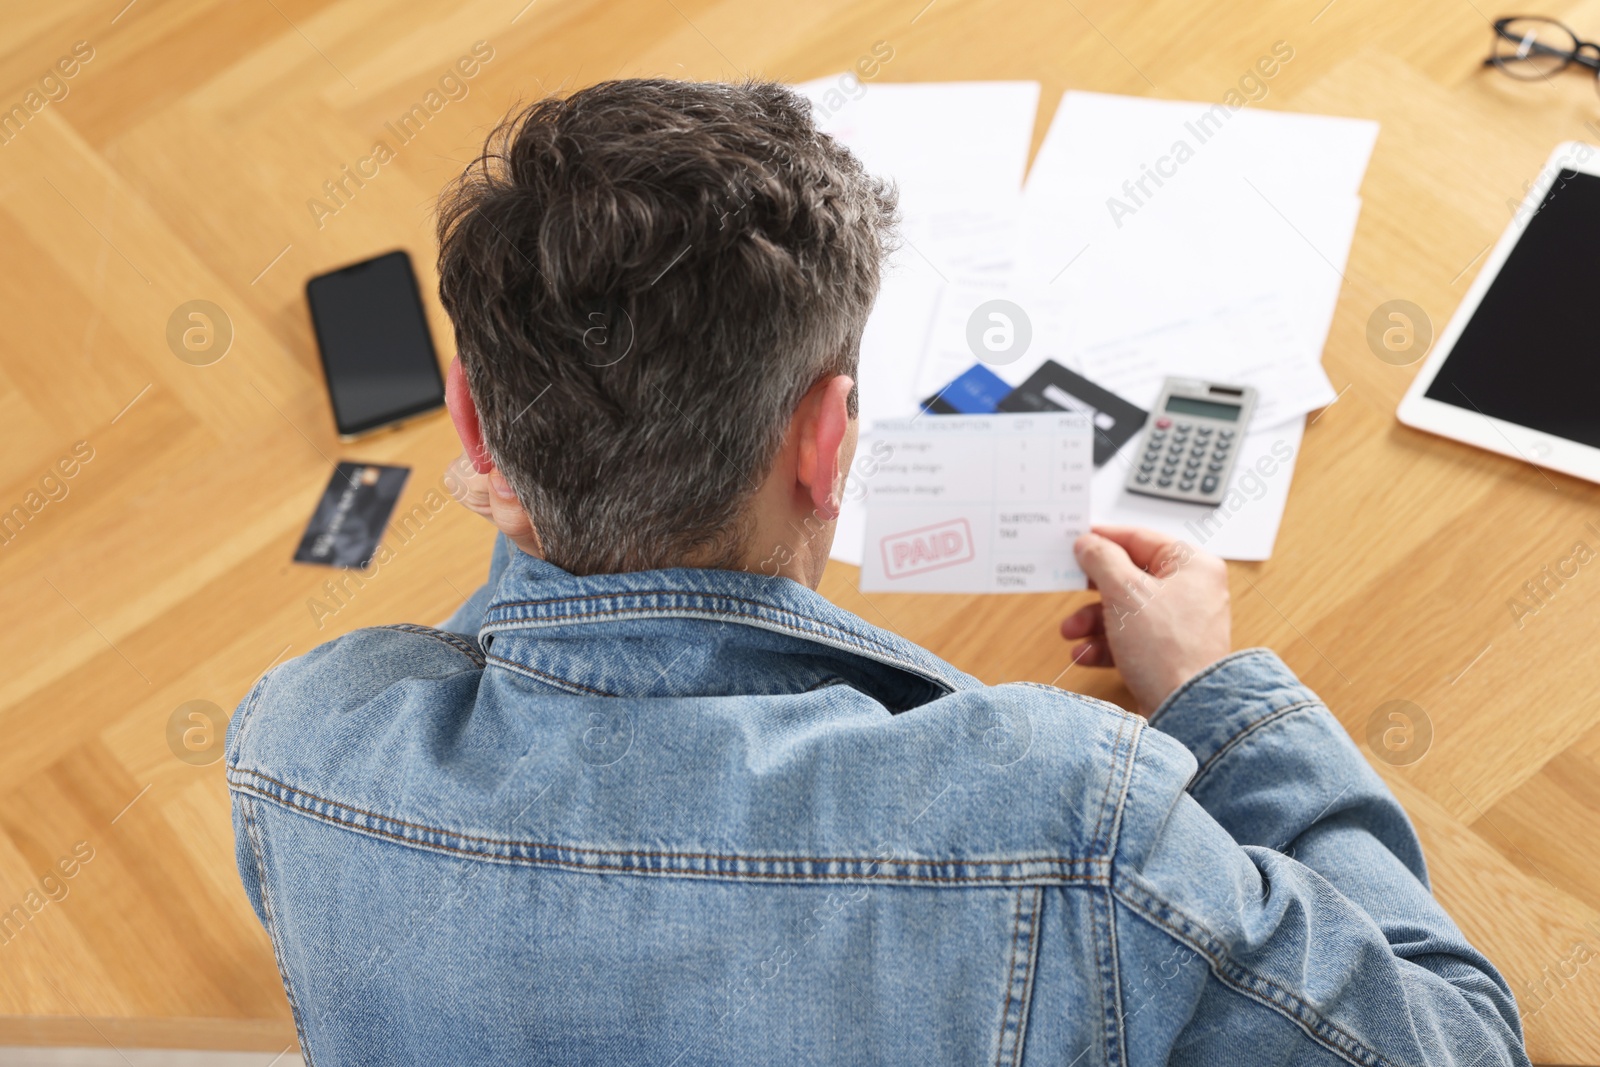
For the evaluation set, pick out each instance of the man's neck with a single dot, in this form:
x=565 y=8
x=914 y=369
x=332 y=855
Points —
x=793 y=545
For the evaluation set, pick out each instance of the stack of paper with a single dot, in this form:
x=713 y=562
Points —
x=1151 y=238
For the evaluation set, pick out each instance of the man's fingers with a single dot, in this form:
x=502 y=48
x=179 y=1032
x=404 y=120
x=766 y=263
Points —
x=1087 y=621
x=1141 y=545
x=1106 y=564
x=1095 y=652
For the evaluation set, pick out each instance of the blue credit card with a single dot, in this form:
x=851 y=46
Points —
x=1050 y=388
x=977 y=392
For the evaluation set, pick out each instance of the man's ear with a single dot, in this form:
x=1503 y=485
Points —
x=824 y=427
x=464 y=413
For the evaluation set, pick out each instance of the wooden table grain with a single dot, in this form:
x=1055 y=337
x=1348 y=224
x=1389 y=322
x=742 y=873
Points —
x=182 y=150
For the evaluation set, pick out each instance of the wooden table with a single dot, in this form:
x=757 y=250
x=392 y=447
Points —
x=183 y=164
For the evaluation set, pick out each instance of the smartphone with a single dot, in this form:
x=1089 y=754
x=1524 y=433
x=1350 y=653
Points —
x=377 y=353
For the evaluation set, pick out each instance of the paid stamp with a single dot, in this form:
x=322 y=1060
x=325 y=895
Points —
x=927 y=548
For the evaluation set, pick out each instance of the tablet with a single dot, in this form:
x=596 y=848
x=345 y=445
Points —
x=1515 y=371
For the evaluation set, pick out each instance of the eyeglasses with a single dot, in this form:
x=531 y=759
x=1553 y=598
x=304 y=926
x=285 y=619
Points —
x=1534 y=48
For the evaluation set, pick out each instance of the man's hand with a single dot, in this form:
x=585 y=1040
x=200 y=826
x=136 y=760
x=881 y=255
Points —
x=1163 y=612
x=491 y=496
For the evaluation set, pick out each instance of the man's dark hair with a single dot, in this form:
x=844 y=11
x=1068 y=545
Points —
x=645 y=277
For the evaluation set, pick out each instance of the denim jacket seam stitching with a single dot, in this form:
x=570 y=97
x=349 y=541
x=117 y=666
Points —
x=1100 y=843
x=1244 y=733
x=1102 y=916
x=820 y=630
x=1295 y=1008
x=444 y=637
x=1011 y=979
x=759 y=606
x=798 y=877
x=886 y=655
x=546 y=676
x=1114 y=833
x=1177 y=694
x=1116 y=978
x=1021 y=984
x=1111 y=912
x=334 y=806
x=1025 y=1011
x=1094 y=702
x=253 y=834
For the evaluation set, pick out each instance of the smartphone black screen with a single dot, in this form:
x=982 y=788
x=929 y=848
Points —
x=1526 y=356
x=376 y=350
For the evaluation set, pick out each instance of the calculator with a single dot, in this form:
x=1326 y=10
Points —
x=1191 y=439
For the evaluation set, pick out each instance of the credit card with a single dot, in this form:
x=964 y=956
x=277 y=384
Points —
x=352 y=515
x=977 y=392
x=1055 y=388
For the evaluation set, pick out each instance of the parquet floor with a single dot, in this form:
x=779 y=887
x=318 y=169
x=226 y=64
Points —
x=182 y=160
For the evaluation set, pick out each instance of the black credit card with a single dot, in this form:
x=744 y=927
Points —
x=352 y=515
x=1054 y=388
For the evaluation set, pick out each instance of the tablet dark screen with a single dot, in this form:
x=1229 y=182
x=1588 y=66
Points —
x=1528 y=355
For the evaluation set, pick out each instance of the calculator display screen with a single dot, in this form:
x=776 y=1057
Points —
x=1527 y=354
x=1188 y=405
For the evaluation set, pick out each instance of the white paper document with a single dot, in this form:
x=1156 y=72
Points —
x=1249 y=343
x=1151 y=238
x=1167 y=209
x=934 y=139
x=977 y=504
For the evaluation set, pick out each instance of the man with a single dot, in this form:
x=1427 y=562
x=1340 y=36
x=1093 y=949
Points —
x=648 y=798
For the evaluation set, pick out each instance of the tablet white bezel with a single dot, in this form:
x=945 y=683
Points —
x=1476 y=428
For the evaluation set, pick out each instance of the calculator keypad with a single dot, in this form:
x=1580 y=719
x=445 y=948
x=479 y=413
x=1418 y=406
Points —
x=1183 y=459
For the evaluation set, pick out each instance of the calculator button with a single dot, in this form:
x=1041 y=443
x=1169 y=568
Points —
x=1146 y=468
x=1204 y=431
x=1167 y=472
x=1183 y=427
x=1214 y=468
x=1143 y=479
x=1226 y=435
x=1222 y=448
x=1192 y=465
x=1162 y=424
x=1209 y=485
x=1187 y=487
x=1165 y=483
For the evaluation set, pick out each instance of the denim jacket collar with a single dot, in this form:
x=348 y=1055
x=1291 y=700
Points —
x=696 y=632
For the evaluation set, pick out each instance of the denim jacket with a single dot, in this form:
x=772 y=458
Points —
x=707 y=817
